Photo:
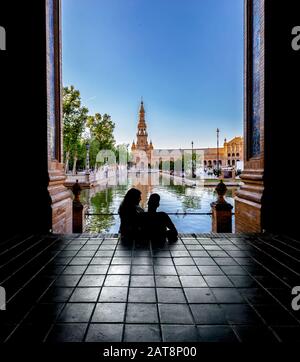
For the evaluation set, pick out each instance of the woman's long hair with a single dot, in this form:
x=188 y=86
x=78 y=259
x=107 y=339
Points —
x=130 y=201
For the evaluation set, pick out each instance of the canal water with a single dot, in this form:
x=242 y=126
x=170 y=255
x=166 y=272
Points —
x=106 y=199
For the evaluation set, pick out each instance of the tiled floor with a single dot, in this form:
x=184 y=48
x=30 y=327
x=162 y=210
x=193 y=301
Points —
x=232 y=288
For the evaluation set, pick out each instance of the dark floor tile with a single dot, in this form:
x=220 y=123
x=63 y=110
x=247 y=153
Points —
x=5 y=331
x=218 y=281
x=244 y=260
x=104 y=333
x=183 y=261
x=199 y=253
x=30 y=333
x=228 y=295
x=179 y=253
x=217 y=253
x=187 y=270
x=163 y=261
x=67 y=281
x=100 y=261
x=109 y=313
x=121 y=261
x=142 y=295
x=175 y=314
x=208 y=314
x=257 y=296
x=141 y=261
x=276 y=315
x=225 y=261
x=170 y=295
x=270 y=282
x=142 y=270
x=179 y=333
x=233 y=270
x=75 y=269
x=241 y=314
x=85 y=253
x=193 y=281
x=142 y=333
x=113 y=294
x=204 y=261
x=164 y=270
x=216 y=333
x=80 y=261
x=96 y=269
x=76 y=312
x=142 y=281
x=91 y=281
x=86 y=294
x=44 y=312
x=104 y=253
x=254 y=334
x=141 y=313
x=67 y=333
x=199 y=295
x=119 y=269
x=243 y=281
x=210 y=270
x=57 y=294
x=288 y=334
x=116 y=281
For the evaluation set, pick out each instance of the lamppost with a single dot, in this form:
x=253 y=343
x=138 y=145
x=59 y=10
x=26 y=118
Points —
x=127 y=156
x=87 y=161
x=193 y=166
x=218 y=161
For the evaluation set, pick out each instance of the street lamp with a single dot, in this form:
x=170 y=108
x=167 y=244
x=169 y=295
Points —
x=218 y=161
x=193 y=166
x=127 y=156
x=87 y=161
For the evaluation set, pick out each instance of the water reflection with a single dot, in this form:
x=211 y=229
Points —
x=174 y=198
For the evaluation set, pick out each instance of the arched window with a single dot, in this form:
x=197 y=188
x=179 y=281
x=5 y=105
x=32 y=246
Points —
x=228 y=162
x=205 y=163
x=229 y=154
x=233 y=162
x=233 y=155
x=220 y=162
x=215 y=162
x=237 y=155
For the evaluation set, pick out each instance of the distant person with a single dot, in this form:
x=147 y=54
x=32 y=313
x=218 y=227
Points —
x=130 y=215
x=158 y=225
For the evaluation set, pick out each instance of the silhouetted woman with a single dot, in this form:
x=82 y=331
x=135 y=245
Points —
x=159 y=226
x=130 y=215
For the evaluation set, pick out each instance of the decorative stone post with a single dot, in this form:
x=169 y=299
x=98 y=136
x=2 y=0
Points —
x=221 y=212
x=78 y=209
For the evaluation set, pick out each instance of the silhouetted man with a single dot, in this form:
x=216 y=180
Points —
x=158 y=225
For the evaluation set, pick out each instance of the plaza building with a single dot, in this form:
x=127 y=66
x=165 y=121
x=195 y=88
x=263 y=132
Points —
x=229 y=155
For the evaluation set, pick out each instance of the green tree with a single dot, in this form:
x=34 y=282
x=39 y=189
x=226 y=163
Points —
x=74 y=118
x=102 y=130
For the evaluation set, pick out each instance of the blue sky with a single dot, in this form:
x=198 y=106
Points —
x=185 y=57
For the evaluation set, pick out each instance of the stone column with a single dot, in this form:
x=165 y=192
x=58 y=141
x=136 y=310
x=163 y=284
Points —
x=221 y=212
x=249 y=210
x=61 y=197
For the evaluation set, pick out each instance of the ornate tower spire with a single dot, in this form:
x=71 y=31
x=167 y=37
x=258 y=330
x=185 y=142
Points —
x=142 y=134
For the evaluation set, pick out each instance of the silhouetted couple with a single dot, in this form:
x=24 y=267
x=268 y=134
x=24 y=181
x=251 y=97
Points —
x=136 y=224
